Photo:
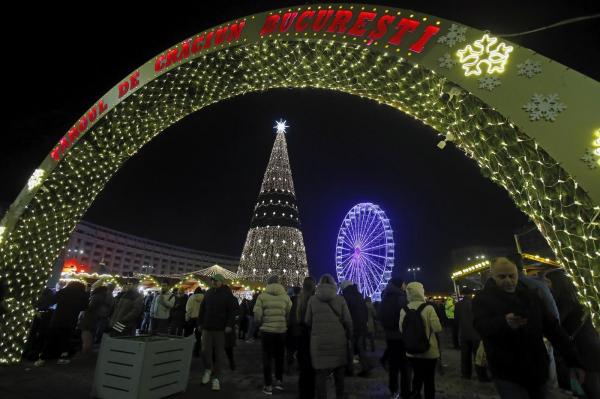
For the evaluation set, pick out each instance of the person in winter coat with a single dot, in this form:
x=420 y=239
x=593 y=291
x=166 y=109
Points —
x=576 y=321
x=360 y=317
x=371 y=316
x=161 y=311
x=89 y=321
x=449 y=307
x=252 y=325
x=105 y=311
x=39 y=328
x=328 y=317
x=128 y=311
x=271 y=313
x=512 y=321
x=393 y=299
x=291 y=336
x=244 y=318
x=145 y=327
x=177 y=317
x=423 y=364
x=216 y=318
x=468 y=337
x=70 y=301
x=192 y=307
x=192 y=311
x=306 y=377
x=230 y=337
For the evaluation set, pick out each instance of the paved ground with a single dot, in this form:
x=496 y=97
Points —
x=74 y=380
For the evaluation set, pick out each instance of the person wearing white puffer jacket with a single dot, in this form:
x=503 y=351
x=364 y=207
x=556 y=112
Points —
x=271 y=312
x=160 y=310
x=423 y=364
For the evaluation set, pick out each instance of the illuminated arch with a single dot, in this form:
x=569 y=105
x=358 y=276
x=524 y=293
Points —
x=528 y=122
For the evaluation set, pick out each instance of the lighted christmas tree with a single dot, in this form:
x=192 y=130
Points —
x=274 y=244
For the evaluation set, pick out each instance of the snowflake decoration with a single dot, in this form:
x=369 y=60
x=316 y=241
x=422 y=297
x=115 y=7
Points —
x=487 y=51
x=446 y=61
x=529 y=68
x=546 y=107
x=489 y=82
x=590 y=159
x=455 y=34
x=36 y=179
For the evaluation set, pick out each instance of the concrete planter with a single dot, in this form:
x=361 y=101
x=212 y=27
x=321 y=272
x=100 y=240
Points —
x=144 y=367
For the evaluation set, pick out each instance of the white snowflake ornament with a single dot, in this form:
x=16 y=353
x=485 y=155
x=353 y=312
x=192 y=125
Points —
x=446 y=61
x=454 y=35
x=544 y=107
x=489 y=82
x=529 y=68
x=590 y=159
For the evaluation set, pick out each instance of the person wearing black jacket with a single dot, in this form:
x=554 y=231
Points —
x=69 y=302
x=468 y=337
x=306 y=375
x=393 y=298
x=512 y=322
x=216 y=318
x=577 y=322
x=360 y=317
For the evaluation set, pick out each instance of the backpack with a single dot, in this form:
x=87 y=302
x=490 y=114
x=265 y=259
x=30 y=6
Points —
x=414 y=337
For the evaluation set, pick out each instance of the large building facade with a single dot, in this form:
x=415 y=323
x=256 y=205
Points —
x=95 y=248
x=274 y=244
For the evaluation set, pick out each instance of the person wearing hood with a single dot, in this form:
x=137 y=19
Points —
x=512 y=321
x=393 y=300
x=423 y=364
x=271 y=312
x=360 y=317
x=328 y=317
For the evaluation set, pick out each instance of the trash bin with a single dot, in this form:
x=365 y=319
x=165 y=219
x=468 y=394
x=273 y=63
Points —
x=143 y=367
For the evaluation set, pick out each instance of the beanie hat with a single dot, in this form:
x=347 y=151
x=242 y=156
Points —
x=274 y=279
x=346 y=284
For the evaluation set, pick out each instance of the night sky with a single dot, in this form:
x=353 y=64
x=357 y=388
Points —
x=195 y=184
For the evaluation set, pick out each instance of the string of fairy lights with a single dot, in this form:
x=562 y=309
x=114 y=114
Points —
x=538 y=185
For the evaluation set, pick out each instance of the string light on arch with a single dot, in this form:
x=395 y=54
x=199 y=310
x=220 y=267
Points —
x=538 y=185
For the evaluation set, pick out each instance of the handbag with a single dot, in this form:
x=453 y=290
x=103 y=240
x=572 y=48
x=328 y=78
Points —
x=349 y=346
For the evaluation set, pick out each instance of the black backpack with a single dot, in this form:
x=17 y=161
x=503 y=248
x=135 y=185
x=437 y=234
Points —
x=414 y=337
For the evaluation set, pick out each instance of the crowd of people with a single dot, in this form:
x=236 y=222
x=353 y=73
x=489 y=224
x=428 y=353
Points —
x=527 y=336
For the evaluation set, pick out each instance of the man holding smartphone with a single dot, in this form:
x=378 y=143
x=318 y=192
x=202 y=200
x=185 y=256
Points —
x=512 y=322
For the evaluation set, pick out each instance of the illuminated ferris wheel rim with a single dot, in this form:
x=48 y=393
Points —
x=365 y=248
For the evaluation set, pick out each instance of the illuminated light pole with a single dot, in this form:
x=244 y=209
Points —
x=414 y=271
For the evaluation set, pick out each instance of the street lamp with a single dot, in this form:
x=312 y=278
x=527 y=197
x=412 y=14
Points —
x=414 y=271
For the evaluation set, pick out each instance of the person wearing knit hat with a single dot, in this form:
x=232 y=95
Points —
x=345 y=284
x=271 y=312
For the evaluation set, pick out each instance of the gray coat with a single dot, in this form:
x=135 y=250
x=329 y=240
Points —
x=329 y=332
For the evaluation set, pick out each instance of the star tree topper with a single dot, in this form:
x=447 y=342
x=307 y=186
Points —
x=280 y=125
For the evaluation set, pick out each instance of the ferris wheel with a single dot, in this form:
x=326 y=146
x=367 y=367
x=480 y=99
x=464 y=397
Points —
x=365 y=249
